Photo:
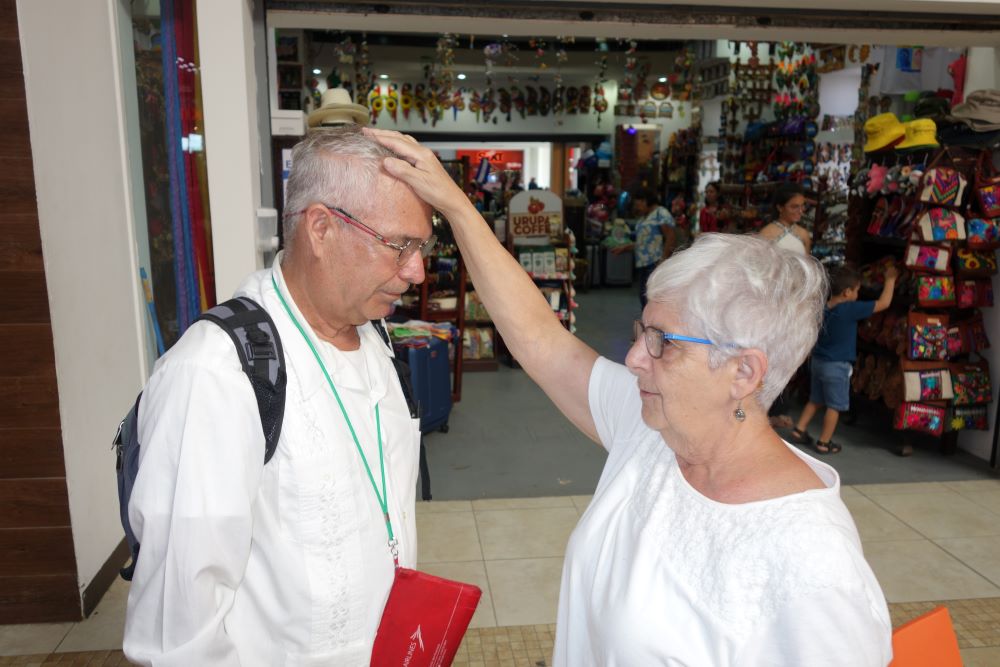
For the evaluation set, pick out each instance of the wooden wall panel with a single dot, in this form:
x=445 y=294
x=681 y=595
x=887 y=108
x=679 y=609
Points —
x=24 y=298
x=41 y=599
x=38 y=574
x=20 y=243
x=31 y=452
x=36 y=552
x=34 y=503
x=29 y=402
x=33 y=343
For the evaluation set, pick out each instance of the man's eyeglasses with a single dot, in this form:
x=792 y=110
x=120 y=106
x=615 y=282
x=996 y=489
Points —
x=406 y=250
x=655 y=338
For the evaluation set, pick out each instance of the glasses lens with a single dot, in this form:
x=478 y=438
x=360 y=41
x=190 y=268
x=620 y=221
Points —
x=654 y=342
x=413 y=246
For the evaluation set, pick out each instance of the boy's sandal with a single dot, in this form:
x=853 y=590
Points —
x=827 y=447
x=800 y=437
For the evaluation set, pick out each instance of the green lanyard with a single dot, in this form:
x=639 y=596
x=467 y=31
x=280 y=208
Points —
x=382 y=497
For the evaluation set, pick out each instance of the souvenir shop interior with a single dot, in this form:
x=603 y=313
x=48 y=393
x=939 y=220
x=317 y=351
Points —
x=553 y=138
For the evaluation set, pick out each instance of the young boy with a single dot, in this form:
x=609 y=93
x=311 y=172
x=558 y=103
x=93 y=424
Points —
x=835 y=353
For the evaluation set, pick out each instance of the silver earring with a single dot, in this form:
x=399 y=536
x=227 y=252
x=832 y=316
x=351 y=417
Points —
x=738 y=412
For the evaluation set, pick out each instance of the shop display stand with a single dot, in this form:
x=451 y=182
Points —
x=882 y=225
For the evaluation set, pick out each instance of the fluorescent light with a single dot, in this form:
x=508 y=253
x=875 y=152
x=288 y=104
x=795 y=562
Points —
x=461 y=77
x=383 y=76
x=317 y=71
x=662 y=79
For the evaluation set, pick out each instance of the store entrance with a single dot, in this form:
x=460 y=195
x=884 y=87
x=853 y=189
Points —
x=708 y=132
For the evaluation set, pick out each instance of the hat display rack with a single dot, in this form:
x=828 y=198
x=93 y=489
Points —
x=932 y=208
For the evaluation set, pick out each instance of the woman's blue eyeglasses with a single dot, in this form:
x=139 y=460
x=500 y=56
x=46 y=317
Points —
x=655 y=338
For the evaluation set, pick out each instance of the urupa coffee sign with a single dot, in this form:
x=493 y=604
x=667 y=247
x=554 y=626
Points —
x=535 y=217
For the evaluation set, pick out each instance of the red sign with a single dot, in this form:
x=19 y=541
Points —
x=499 y=159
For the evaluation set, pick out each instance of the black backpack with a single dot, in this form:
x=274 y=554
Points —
x=259 y=348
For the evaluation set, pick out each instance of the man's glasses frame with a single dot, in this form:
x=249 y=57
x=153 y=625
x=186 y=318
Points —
x=405 y=250
x=655 y=338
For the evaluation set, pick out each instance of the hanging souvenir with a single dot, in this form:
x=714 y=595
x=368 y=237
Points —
x=660 y=91
x=420 y=101
x=457 y=104
x=406 y=100
x=392 y=102
x=488 y=104
x=505 y=104
x=558 y=100
x=584 y=102
x=572 y=95
x=474 y=104
x=517 y=97
x=376 y=102
x=544 y=100
x=647 y=110
x=531 y=103
x=601 y=102
x=666 y=110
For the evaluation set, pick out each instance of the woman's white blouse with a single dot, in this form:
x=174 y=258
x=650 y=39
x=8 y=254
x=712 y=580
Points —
x=658 y=574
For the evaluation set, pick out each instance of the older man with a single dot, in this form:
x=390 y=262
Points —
x=290 y=562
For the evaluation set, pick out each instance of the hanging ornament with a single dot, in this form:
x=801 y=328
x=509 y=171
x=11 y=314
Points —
x=474 y=105
x=517 y=97
x=457 y=104
x=375 y=102
x=420 y=101
x=392 y=102
x=531 y=101
x=505 y=104
x=406 y=100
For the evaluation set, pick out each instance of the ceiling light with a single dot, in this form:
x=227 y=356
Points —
x=383 y=76
x=317 y=71
x=662 y=79
x=461 y=77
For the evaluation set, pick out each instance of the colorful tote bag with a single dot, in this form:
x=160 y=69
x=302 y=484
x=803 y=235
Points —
x=974 y=293
x=971 y=383
x=927 y=385
x=928 y=336
x=927 y=258
x=942 y=186
x=975 y=263
x=969 y=418
x=983 y=233
x=919 y=417
x=987 y=186
x=941 y=224
x=935 y=291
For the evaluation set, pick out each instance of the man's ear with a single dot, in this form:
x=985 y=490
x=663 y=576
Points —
x=751 y=367
x=314 y=229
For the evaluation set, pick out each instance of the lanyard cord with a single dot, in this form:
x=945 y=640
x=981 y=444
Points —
x=382 y=497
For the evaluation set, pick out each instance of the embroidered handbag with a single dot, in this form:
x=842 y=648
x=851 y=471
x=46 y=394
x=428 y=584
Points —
x=958 y=342
x=942 y=186
x=974 y=293
x=930 y=385
x=935 y=291
x=983 y=233
x=927 y=258
x=928 y=336
x=969 y=417
x=919 y=417
x=941 y=224
x=971 y=383
x=987 y=186
x=975 y=334
x=975 y=263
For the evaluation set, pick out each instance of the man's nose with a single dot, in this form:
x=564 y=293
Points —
x=412 y=270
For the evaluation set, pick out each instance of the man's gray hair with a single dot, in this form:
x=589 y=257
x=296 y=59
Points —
x=744 y=292
x=333 y=166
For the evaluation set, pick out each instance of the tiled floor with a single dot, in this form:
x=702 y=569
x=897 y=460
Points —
x=926 y=542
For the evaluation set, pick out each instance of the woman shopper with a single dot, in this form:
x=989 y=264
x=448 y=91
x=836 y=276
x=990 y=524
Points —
x=709 y=540
x=789 y=202
x=655 y=237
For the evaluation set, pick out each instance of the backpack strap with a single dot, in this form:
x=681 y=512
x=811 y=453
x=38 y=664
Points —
x=402 y=371
x=262 y=358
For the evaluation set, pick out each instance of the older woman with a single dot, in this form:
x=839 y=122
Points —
x=709 y=541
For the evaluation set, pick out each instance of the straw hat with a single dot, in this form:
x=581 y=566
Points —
x=920 y=133
x=337 y=109
x=883 y=131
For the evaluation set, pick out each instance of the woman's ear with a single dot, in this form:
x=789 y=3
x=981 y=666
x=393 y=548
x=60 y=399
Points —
x=751 y=367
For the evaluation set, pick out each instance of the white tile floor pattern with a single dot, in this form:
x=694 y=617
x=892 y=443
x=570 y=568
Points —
x=925 y=541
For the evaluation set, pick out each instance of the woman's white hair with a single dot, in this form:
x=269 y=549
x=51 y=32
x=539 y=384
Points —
x=744 y=292
x=334 y=166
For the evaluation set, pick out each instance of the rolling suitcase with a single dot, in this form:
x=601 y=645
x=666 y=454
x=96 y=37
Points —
x=430 y=374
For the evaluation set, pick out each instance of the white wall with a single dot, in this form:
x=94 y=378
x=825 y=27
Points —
x=88 y=245
x=232 y=141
